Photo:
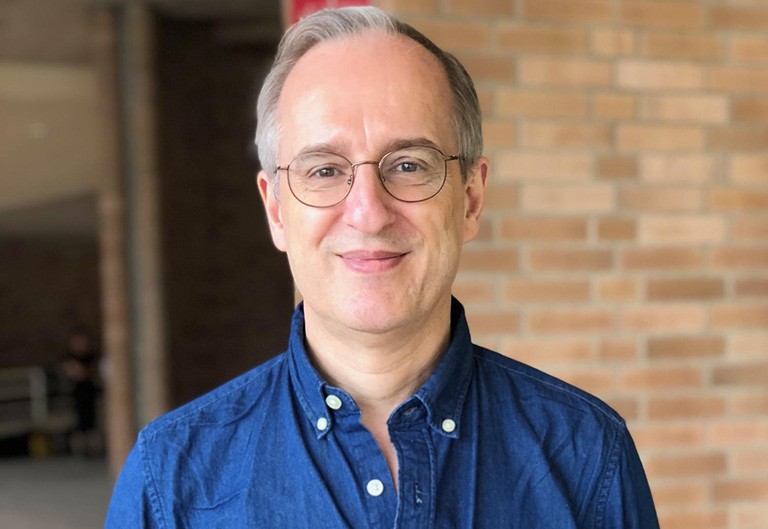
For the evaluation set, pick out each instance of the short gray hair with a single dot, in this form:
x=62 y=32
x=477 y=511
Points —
x=330 y=24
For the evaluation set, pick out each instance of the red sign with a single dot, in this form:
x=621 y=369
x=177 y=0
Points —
x=293 y=10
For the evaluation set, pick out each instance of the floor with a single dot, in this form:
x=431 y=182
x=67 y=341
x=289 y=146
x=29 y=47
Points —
x=53 y=493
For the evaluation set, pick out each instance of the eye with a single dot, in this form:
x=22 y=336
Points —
x=407 y=167
x=325 y=172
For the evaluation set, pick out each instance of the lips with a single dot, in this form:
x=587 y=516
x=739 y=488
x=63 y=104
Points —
x=369 y=261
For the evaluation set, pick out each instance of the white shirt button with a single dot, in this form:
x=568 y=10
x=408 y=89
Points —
x=375 y=487
x=333 y=402
x=322 y=424
x=448 y=425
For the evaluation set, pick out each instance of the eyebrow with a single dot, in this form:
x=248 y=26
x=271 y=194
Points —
x=393 y=145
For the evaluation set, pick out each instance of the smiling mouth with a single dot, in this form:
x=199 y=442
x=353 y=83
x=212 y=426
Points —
x=372 y=261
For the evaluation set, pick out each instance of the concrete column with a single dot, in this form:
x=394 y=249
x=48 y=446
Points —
x=120 y=420
x=144 y=255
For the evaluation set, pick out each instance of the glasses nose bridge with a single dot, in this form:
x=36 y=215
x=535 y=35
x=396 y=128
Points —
x=366 y=162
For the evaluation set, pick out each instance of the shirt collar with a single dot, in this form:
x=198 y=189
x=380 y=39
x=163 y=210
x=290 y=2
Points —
x=442 y=394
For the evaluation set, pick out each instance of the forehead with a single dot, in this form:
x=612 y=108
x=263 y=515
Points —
x=365 y=86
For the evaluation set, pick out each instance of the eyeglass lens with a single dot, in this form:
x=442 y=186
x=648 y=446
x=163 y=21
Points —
x=412 y=174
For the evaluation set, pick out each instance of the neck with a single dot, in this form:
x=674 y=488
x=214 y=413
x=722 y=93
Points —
x=378 y=370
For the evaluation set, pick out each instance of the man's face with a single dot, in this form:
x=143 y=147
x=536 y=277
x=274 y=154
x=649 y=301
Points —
x=371 y=263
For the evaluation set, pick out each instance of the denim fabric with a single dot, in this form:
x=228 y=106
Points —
x=524 y=450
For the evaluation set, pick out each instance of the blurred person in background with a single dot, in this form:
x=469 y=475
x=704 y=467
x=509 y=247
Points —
x=81 y=368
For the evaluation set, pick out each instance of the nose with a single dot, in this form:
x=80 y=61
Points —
x=368 y=205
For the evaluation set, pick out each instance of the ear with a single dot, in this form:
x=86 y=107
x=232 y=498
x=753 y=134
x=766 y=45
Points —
x=474 y=198
x=268 y=192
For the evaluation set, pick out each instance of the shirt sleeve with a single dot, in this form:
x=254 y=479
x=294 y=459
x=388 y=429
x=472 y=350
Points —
x=131 y=504
x=628 y=503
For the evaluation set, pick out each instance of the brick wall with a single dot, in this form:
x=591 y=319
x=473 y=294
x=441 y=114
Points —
x=625 y=244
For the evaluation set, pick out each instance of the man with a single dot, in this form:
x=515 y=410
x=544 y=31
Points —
x=381 y=413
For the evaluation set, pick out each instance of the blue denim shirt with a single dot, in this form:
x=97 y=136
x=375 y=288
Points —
x=486 y=442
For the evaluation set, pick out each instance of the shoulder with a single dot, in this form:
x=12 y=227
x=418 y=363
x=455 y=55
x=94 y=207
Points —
x=540 y=390
x=234 y=401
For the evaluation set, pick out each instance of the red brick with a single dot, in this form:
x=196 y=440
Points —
x=529 y=291
x=617 y=289
x=570 y=260
x=749 y=168
x=686 y=465
x=493 y=322
x=538 y=167
x=687 y=109
x=616 y=167
x=614 y=106
x=595 y=381
x=738 y=257
x=749 y=48
x=667 y=169
x=567 y=321
x=750 y=229
x=752 y=287
x=683 y=15
x=457 y=35
x=751 y=461
x=661 y=199
x=696 y=47
x=584 y=11
x=748 y=345
x=583 y=198
x=489 y=68
x=669 y=436
x=686 y=407
x=613 y=42
x=480 y=7
x=661 y=378
x=661 y=258
x=749 y=516
x=686 y=288
x=740 y=200
x=748 y=403
x=617 y=350
x=627 y=407
x=404 y=7
x=752 y=374
x=738 y=17
x=538 y=71
x=546 y=228
x=666 y=318
x=738 y=79
x=739 y=316
x=685 y=347
x=542 y=39
x=740 y=432
x=688 y=229
x=565 y=135
x=698 y=519
x=649 y=75
x=549 y=351
x=499 y=133
x=680 y=494
x=517 y=103
x=659 y=138
x=501 y=197
x=755 y=489
x=489 y=260
x=750 y=109
x=474 y=290
x=616 y=229
x=738 y=139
